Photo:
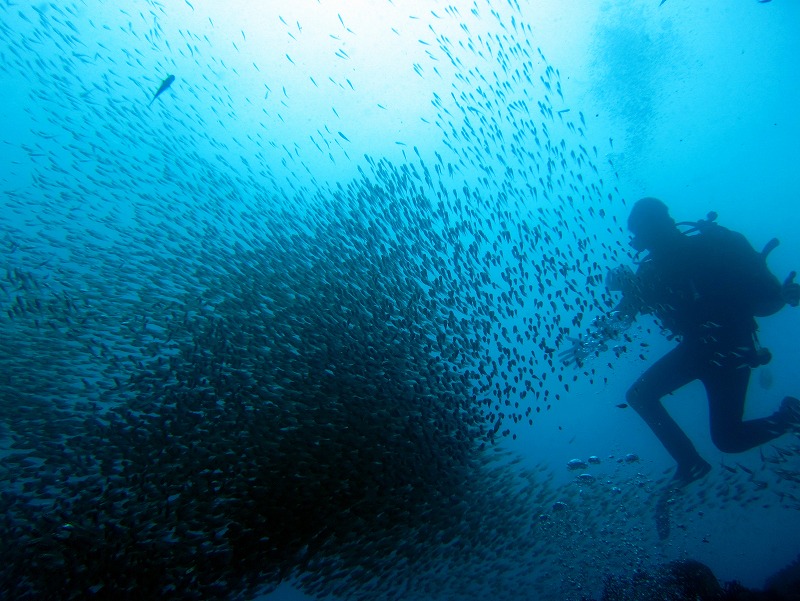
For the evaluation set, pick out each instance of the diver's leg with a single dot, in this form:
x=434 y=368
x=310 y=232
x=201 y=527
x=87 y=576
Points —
x=674 y=370
x=727 y=389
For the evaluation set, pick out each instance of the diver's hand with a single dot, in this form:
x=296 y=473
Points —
x=574 y=354
x=791 y=290
x=577 y=353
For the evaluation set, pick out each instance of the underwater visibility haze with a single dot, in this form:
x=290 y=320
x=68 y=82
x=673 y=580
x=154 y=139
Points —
x=284 y=287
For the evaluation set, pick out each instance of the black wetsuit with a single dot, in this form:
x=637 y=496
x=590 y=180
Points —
x=694 y=290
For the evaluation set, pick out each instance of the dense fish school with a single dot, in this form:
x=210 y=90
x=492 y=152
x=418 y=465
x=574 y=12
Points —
x=221 y=371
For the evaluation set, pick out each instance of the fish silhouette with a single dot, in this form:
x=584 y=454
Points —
x=164 y=85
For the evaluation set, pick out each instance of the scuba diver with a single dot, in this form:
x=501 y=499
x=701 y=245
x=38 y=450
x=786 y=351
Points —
x=705 y=287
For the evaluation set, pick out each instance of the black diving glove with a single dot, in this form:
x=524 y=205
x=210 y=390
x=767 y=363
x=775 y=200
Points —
x=791 y=290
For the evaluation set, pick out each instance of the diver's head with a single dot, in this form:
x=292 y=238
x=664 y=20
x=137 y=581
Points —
x=651 y=225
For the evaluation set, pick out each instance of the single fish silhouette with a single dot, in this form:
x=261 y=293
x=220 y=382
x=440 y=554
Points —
x=164 y=85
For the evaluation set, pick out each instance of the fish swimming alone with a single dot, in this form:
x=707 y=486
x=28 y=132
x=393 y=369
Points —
x=164 y=85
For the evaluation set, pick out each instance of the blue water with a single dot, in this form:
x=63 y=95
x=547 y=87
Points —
x=276 y=104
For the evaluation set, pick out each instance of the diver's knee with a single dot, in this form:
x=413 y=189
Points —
x=637 y=398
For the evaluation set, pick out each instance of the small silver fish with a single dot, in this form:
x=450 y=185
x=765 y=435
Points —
x=163 y=88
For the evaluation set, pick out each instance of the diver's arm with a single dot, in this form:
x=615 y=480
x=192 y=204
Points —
x=776 y=296
x=607 y=327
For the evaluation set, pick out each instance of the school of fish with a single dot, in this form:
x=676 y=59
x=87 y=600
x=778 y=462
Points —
x=220 y=373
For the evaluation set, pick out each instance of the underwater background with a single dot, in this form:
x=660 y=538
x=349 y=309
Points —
x=290 y=327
